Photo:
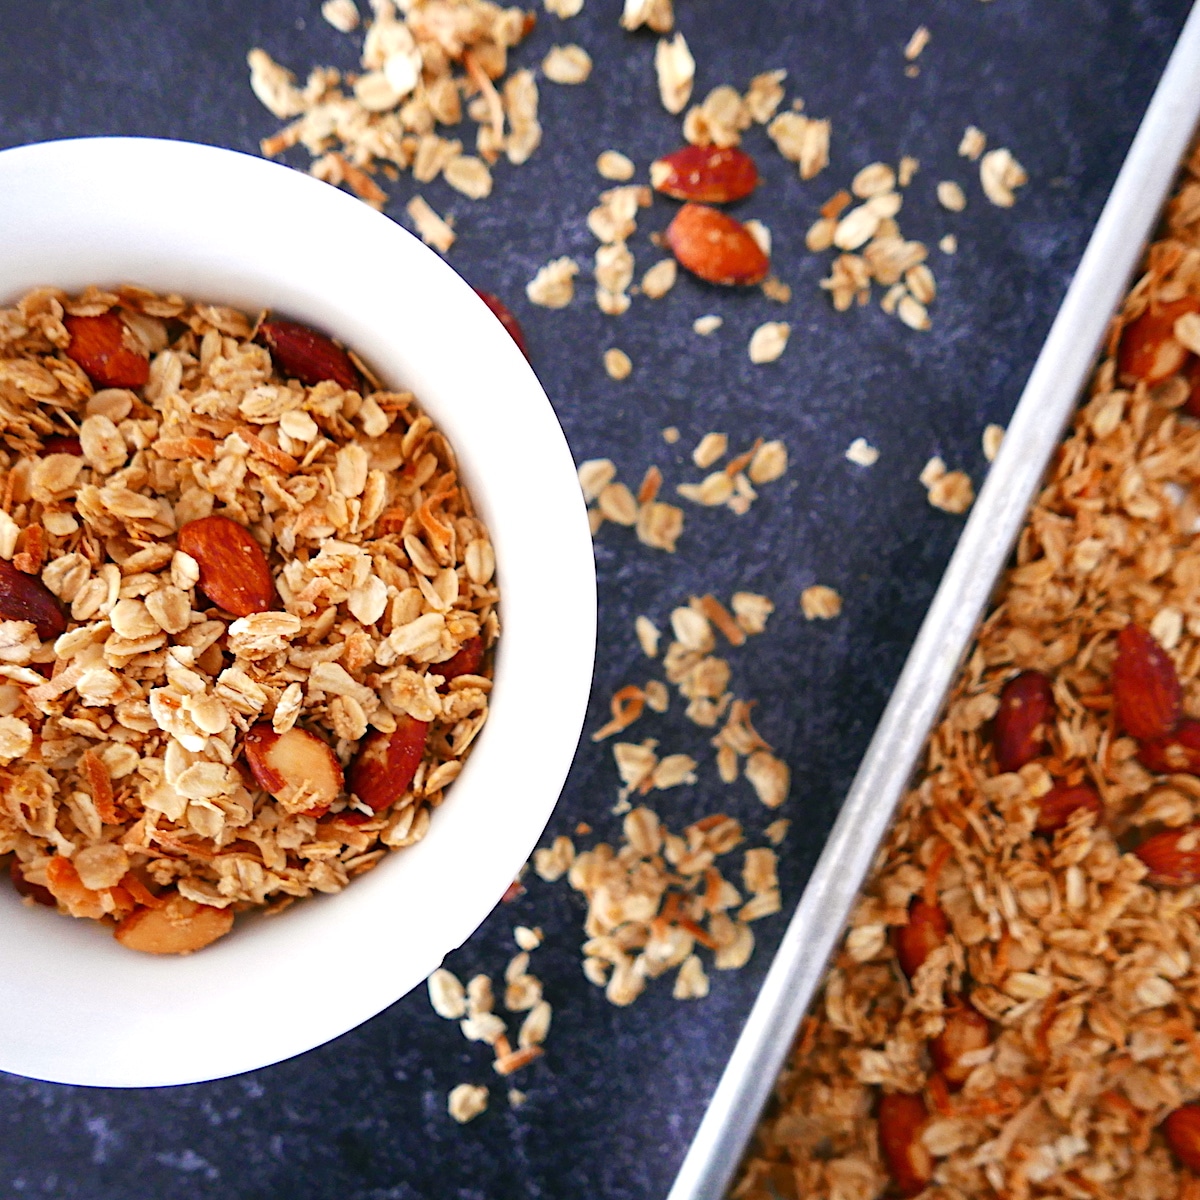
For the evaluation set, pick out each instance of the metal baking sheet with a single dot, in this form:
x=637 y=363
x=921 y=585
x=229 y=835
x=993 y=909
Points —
x=1046 y=406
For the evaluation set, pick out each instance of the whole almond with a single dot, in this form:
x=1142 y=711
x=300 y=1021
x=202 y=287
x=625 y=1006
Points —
x=1146 y=690
x=1181 y=1129
x=715 y=247
x=901 y=1119
x=386 y=763
x=296 y=767
x=927 y=929
x=234 y=573
x=98 y=345
x=1178 y=751
x=1149 y=350
x=26 y=598
x=466 y=662
x=306 y=355
x=1173 y=856
x=1025 y=713
x=180 y=926
x=1060 y=802
x=706 y=174
x=61 y=443
x=965 y=1030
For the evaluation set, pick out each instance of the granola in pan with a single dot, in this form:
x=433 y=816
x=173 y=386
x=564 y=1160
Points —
x=1015 y=1009
x=246 y=613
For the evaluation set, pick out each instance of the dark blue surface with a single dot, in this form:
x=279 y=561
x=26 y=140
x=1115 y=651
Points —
x=614 y=1103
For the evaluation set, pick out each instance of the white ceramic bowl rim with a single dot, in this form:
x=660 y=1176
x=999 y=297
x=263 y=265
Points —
x=214 y=224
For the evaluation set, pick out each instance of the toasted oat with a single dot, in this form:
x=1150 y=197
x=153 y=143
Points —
x=950 y=196
x=775 y=289
x=803 y=140
x=594 y=476
x=912 y=312
x=1000 y=175
x=710 y=448
x=670 y=435
x=447 y=995
x=564 y=8
x=916 y=43
x=612 y=164
x=948 y=244
x=707 y=324
x=769 y=462
x=567 y=64
x=553 y=862
x=341 y=14
x=617 y=364
x=993 y=435
x=932 y=471
x=659 y=525
x=647 y=636
x=659 y=279
x=676 y=70
x=658 y=15
x=973 y=143
x=776 y=832
x=466 y=1102
x=820 y=602
x=873 y=180
x=764 y=95
x=862 y=453
x=618 y=505
x=526 y=938
x=554 y=284
x=751 y=611
x=908 y=167
x=769 y=341
x=433 y=230
x=769 y=776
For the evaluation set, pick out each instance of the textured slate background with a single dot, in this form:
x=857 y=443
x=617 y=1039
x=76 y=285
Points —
x=615 y=1101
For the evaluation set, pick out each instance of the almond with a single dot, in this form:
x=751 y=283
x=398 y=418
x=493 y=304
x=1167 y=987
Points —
x=1181 y=1129
x=1173 y=856
x=386 y=763
x=708 y=174
x=26 y=598
x=35 y=891
x=1192 y=374
x=504 y=315
x=98 y=344
x=965 y=1030
x=234 y=573
x=901 y=1119
x=307 y=355
x=1178 y=751
x=927 y=929
x=61 y=443
x=1025 y=713
x=466 y=662
x=296 y=767
x=1057 y=805
x=1149 y=351
x=178 y=926
x=715 y=247
x=1146 y=691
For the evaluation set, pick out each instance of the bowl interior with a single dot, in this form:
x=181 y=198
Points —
x=232 y=229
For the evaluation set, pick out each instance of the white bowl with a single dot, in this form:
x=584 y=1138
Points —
x=78 y=1007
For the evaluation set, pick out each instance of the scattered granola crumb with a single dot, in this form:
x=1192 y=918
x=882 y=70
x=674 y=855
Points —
x=618 y=505
x=567 y=64
x=777 y=831
x=617 y=363
x=862 y=453
x=948 y=244
x=775 y=289
x=950 y=196
x=659 y=525
x=803 y=140
x=993 y=435
x=973 y=143
x=658 y=15
x=768 y=463
x=769 y=341
x=466 y=1102
x=916 y=43
x=909 y=166
x=612 y=164
x=433 y=230
x=446 y=994
x=1000 y=175
x=761 y=235
x=659 y=279
x=769 y=776
x=526 y=938
x=676 y=70
x=670 y=435
x=341 y=14
x=564 y=8
x=751 y=611
x=710 y=448
x=647 y=636
x=594 y=476
x=515 y=1096
x=553 y=862
x=554 y=284
x=820 y=602
x=932 y=471
x=951 y=491
x=707 y=324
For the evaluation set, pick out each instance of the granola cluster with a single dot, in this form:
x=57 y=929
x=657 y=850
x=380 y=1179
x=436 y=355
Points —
x=1015 y=1009
x=245 y=612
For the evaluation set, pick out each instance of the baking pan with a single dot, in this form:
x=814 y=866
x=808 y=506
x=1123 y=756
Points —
x=1047 y=404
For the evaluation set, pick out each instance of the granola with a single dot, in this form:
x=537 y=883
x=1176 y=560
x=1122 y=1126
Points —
x=246 y=612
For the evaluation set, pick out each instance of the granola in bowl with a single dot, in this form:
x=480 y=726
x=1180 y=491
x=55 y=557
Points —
x=246 y=613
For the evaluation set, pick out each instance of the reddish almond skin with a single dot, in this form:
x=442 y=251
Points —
x=98 y=345
x=466 y=662
x=1192 y=374
x=1178 y=751
x=716 y=247
x=908 y=1162
x=1146 y=689
x=60 y=443
x=1026 y=710
x=386 y=763
x=234 y=573
x=35 y=891
x=707 y=174
x=1182 y=1132
x=1057 y=805
x=965 y=1030
x=1149 y=351
x=26 y=598
x=1170 y=863
x=926 y=930
x=504 y=315
x=307 y=355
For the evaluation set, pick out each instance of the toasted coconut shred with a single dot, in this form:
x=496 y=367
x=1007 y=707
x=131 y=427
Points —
x=130 y=695
x=1045 y=1041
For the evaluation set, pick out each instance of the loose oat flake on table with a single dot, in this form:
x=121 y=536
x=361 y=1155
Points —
x=246 y=613
x=1015 y=1009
